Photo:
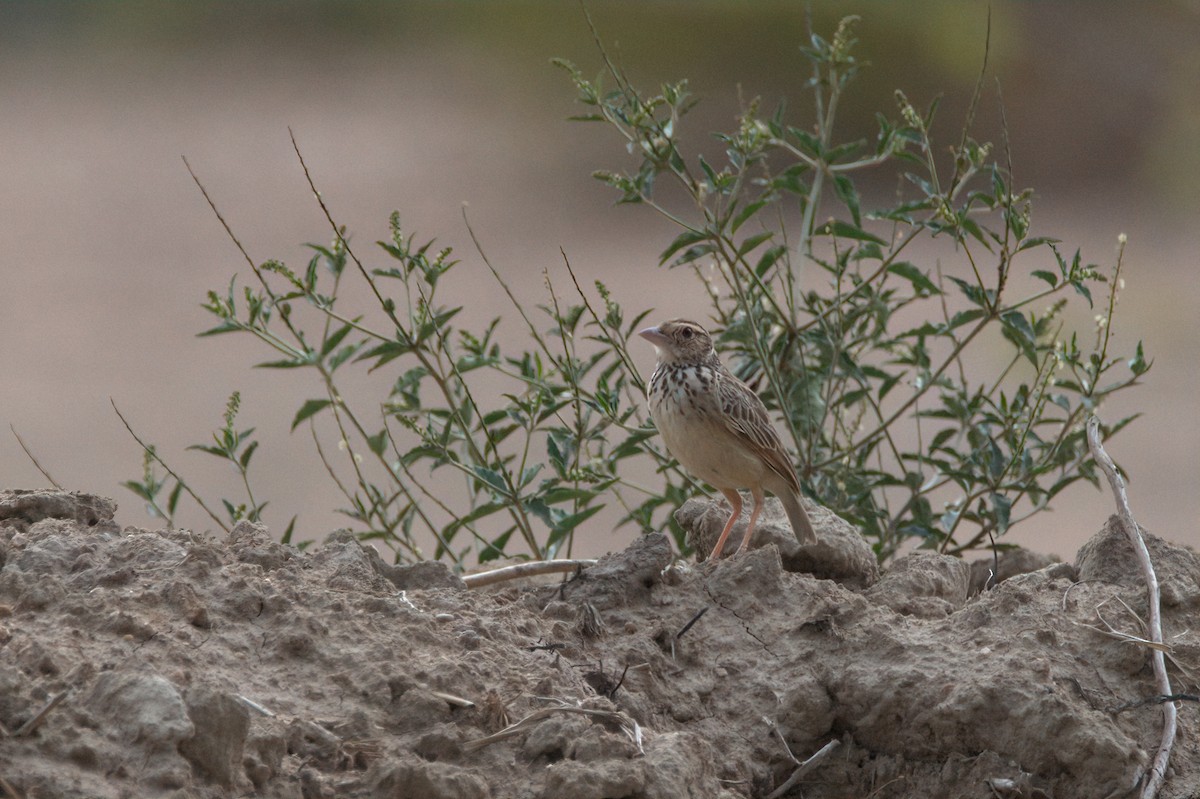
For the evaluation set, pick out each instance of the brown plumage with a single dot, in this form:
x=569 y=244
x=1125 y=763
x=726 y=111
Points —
x=718 y=428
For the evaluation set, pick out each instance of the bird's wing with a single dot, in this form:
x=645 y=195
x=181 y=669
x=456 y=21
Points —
x=746 y=417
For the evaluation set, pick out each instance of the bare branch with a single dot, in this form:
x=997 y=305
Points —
x=530 y=569
x=1158 y=770
x=45 y=473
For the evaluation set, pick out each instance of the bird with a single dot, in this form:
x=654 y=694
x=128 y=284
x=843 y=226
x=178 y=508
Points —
x=718 y=428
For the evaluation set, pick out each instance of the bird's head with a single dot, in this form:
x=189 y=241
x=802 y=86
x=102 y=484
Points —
x=679 y=340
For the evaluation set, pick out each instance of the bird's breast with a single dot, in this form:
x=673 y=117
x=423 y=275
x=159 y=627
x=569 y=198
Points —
x=686 y=408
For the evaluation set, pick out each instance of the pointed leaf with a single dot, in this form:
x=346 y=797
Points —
x=684 y=239
x=1049 y=277
x=842 y=230
x=919 y=280
x=309 y=408
x=492 y=478
x=247 y=454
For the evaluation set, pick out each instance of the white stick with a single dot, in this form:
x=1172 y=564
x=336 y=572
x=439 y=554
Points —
x=530 y=569
x=805 y=767
x=1158 y=770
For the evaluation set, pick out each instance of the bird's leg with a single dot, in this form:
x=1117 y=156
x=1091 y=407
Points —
x=758 y=506
x=735 y=499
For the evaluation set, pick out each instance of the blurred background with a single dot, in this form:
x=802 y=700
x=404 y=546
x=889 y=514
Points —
x=421 y=107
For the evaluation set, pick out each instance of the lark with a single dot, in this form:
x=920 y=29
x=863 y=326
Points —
x=718 y=428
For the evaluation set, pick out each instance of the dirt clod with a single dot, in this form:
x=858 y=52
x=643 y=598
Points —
x=923 y=584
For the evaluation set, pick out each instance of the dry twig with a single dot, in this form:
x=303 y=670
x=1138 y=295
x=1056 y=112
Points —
x=1158 y=769
x=530 y=569
x=255 y=706
x=45 y=473
x=9 y=791
x=40 y=716
x=627 y=725
x=802 y=769
x=457 y=701
x=1112 y=632
x=150 y=451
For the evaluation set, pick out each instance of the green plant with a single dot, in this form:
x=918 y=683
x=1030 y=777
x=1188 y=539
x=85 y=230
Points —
x=229 y=444
x=535 y=437
x=869 y=358
x=862 y=353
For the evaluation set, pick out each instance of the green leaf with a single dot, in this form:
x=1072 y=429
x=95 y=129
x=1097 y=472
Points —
x=695 y=253
x=334 y=339
x=842 y=230
x=173 y=499
x=560 y=447
x=972 y=291
x=1138 y=364
x=1083 y=291
x=138 y=489
x=481 y=511
x=1049 y=277
x=1016 y=328
x=919 y=280
x=963 y=317
x=378 y=442
x=750 y=210
x=492 y=479
x=749 y=244
x=1036 y=241
x=289 y=364
x=768 y=259
x=563 y=494
x=530 y=473
x=247 y=453
x=289 y=532
x=385 y=352
x=308 y=409
x=343 y=355
x=495 y=550
x=570 y=522
x=684 y=239
x=844 y=188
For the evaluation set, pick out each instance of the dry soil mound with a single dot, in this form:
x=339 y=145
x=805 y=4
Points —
x=174 y=665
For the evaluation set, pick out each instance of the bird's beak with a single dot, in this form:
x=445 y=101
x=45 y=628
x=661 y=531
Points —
x=654 y=336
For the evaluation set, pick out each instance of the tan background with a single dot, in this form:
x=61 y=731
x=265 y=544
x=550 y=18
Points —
x=108 y=249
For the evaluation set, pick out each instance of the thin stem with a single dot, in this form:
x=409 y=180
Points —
x=878 y=431
x=517 y=510
x=150 y=451
x=45 y=473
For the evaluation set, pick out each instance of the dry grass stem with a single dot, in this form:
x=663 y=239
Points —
x=255 y=706
x=805 y=767
x=630 y=727
x=150 y=451
x=457 y=701
x=45 y=473
x=530 y=569
x=9 y=791
x=40 y=716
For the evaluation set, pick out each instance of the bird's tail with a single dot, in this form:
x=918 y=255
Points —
x=801 y=525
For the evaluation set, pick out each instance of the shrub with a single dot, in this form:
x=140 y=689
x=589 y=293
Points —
x=870 y=361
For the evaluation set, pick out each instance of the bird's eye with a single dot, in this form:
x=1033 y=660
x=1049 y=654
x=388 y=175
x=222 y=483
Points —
x=687 y=332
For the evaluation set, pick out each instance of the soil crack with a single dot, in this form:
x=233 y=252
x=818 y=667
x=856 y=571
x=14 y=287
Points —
x=743 y=622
